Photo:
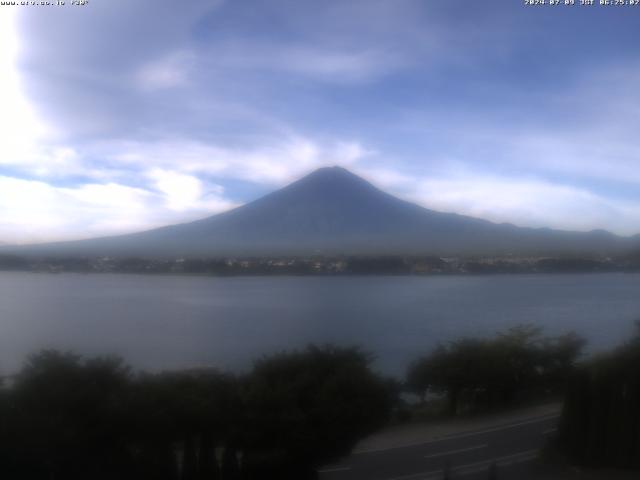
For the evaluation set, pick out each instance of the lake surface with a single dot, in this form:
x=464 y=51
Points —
x=159 y=322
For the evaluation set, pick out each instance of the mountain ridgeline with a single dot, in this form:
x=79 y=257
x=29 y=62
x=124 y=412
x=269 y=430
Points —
x=332 y=211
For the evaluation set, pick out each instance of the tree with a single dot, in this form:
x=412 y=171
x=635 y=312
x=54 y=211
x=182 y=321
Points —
x=71 y=418
x=483 y=373
x=600 y=422
x=65 y=417
x=185 y=415
x=307 y=408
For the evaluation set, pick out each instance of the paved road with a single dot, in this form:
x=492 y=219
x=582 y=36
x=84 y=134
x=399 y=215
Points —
x=469 y=455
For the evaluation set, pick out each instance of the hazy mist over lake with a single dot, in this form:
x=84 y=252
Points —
x=167 y=322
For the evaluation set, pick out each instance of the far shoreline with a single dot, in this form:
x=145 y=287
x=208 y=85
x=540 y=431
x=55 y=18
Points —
x=325 y=265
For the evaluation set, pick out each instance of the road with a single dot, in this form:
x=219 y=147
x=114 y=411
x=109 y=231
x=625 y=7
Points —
x=511 y=446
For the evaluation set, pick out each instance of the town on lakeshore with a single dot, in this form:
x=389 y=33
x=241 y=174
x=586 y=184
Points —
x=325 y=265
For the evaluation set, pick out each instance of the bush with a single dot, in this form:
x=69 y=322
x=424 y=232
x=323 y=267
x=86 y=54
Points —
x=600 y=423
x=74 y=418
x=478 y=373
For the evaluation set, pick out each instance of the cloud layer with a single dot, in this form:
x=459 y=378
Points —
x=123 y=116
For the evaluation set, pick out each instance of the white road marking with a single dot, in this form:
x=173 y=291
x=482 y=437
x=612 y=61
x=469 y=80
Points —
x=462 y=435
x=460 y=450
x=550 y=431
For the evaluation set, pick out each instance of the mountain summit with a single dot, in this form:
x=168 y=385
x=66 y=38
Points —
x=333 y=211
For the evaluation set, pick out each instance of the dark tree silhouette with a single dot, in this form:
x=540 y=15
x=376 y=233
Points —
x=65 y=417
x=477 y=373
x=600 y=422
x=307 y=408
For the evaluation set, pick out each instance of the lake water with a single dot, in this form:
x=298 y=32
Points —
x=159 y=322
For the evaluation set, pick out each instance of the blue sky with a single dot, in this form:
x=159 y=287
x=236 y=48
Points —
x=120 y=116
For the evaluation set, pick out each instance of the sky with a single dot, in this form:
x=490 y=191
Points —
x=120 y=115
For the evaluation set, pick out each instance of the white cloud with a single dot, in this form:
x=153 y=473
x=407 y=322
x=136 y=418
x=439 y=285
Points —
x=27 y=142
x=172 y=178
x=275 y=163
x=110 y=196
x=523 y=201
x=181 y=191
x=170 y=71
x=186 y=192
x=32 y=210
x=211 y=83
x=20 y=128
x=526 y=202
x=323 y=63
x=175 y=190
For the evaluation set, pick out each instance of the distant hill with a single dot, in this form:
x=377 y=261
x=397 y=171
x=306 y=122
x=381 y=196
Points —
x=332 y=211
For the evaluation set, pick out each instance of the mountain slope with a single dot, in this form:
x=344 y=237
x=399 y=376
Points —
x=334 y=211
